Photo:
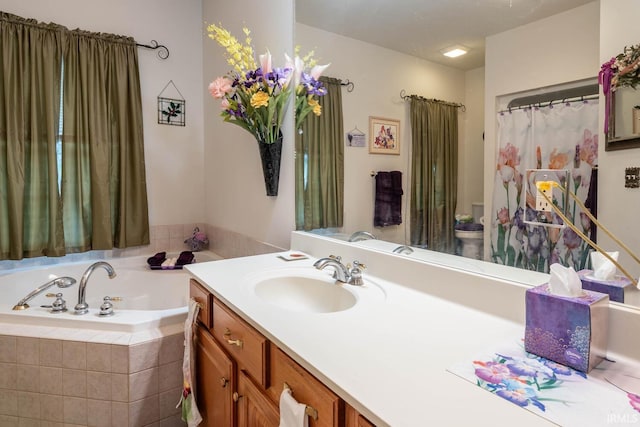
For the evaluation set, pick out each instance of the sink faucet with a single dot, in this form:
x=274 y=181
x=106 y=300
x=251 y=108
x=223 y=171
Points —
x=361 y=235
x=403 y=249
x=62 y=282
x=342 y=273
x=82 y=307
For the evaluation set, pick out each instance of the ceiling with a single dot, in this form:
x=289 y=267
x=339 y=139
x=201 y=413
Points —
x=423 y=27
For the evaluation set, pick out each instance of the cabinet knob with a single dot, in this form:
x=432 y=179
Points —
x=235 y=396
x=227 y=336
x=223 y=382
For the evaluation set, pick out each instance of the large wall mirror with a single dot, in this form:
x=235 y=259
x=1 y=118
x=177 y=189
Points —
x=337 y=31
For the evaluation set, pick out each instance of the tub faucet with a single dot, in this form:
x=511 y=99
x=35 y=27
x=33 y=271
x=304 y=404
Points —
x=361 y=235
x=403 y=249
x=62 y=282
x=82 y=307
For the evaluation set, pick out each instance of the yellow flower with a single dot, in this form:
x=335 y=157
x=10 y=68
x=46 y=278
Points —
x=239 y=56
x=316 y=107
x=259 y=99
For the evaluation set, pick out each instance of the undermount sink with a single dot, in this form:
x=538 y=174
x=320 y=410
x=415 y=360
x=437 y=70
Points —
x=310 y=291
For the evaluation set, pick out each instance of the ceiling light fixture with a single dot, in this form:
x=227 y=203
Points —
x=454 y=51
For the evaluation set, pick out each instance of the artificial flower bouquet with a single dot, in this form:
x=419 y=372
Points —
x=255 y=97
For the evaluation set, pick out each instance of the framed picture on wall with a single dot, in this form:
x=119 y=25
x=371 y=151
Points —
x=384 y=136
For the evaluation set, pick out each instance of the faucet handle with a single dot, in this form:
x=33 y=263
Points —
x=355 y=273
x=336 y=257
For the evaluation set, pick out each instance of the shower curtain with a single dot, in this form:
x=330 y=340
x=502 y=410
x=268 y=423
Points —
x=557 y=136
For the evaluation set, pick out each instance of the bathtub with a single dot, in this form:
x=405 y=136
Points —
x=151 y=299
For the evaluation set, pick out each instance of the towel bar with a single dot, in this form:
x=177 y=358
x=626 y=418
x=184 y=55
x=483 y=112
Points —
x=310 y=411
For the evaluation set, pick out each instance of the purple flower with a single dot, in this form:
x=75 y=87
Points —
x=493 y=372
x=514 y=396
x=558 y=368
x=571 y=239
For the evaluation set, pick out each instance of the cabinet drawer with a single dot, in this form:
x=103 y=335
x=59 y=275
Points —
x=204 y=298
x=306 y=389
x=246 y=345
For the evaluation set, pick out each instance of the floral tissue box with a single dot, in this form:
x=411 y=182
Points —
x=568 y=330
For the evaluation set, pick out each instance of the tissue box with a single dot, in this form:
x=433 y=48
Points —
x=615 y=288
x=571 y=331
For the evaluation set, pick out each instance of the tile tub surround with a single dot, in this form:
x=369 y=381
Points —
x=61 y=382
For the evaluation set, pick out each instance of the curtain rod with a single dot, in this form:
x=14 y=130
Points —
x=163 y=53
x=550 y=103
x=349 y=84
x=404 y=96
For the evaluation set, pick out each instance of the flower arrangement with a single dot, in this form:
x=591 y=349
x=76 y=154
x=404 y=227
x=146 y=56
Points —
x=619 y=71
x=256 y=97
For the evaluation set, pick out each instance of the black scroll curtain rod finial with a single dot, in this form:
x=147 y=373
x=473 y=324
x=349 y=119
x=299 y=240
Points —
x=163 y=51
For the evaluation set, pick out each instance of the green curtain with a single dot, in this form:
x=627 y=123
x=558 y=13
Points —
x=30 y=207
x=320 y=163
x=104 y=185
x=92 y=194
x=434 y=174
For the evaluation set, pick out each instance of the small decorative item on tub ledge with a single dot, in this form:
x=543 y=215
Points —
x=256 y=97
x=198 y=241
x=160 y=261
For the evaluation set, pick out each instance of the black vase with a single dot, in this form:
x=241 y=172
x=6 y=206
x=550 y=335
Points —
x=270 y=155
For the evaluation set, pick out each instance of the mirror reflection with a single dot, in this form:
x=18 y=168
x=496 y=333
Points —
x=380 y=74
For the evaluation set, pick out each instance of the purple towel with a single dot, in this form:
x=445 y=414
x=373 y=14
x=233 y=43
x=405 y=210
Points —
x=388 y=203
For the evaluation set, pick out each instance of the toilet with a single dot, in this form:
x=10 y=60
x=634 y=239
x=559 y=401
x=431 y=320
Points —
x=471 y=236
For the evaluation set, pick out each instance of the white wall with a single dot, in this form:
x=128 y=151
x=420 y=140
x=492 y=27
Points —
x=379 y=75
x=618 y=206
x=471 y=166
x=234 y=187
x=173 y=154
x=556 y=50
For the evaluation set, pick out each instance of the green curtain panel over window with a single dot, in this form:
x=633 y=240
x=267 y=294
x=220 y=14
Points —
x=103 y=177
x=30 y=206
x=78 y=186
x=434 y=174
x=320 y=163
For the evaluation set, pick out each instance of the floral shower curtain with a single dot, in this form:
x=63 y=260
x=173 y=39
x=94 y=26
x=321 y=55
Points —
x=560 y=136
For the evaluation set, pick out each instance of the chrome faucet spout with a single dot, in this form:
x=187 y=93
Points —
x=82 y=307
x=361 y=235
x=341 y=272
x=403 y=249
x=62 y=282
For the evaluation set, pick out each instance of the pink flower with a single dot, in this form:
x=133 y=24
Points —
x=265 y=63
x=224 y=104
x=634 y=400
x=508 y=159
x=503 y=216
x=589 y=148
x=220 y=87
x=317 y=71
x=558 y=160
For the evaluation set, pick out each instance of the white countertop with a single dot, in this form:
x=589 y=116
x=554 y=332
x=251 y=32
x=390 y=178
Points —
x=388 y=359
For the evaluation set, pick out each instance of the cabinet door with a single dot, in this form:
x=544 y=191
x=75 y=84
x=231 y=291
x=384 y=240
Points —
x=354 y=419
x=254 y=409
x=214 y=381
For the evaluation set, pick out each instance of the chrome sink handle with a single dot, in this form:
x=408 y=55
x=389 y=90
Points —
x=355 y=274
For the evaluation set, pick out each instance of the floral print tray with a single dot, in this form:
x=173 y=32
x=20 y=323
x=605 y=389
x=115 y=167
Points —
x=608 y=395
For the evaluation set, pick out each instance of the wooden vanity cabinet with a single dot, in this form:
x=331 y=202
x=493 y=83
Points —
x=240 y=374
x=354 y=419
x=214 y=381
x=254 y=409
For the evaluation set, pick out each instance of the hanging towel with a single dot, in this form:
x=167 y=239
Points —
x=190 y=413
x=388 y=203
x=292 y=413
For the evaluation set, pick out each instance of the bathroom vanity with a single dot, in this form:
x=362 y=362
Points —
x=378 y=357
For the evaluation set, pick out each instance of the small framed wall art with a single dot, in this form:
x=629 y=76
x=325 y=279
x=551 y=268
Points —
x=384 y=136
